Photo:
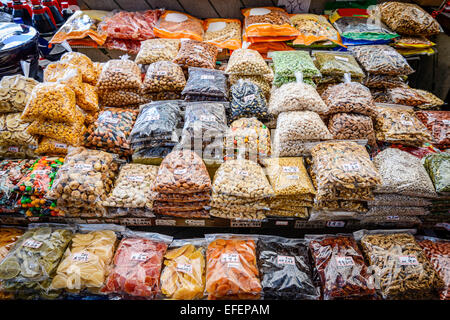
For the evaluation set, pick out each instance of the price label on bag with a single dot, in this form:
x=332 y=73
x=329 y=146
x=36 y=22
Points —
x=285 y=260
x=249 y=98
x=207 y=77
x=341 y=58
x=292 y=177
x=136 y=178
x=281 y=223
x=30 y=243
x=195 y=223
x=184 y=267
x=343 y=262
x=394 y=218
x=180 y=171
x=207 y=118
x=165 y=222
x=351 y=166
x=229 y=258
x=408 y=260
x=81 y=256
x=245 y=224
x=60 y=145
x=13 y=149
x=336 y=224
x=40 y=172
x=83 y=166
x=139 y=256
x=290 y=169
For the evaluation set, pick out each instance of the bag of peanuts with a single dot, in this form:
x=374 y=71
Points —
x=350 y=126
x=87 y=99
x=402 y=268
x=178 y=25
x=83 y=63
x=247 y=62
x=64 y=73
x=120 y=74
x=224 y=33
x=432 y=100
x=164 y=76
x=154 y=50
x=123 y=97
x=340 y=264
x=231 y=267
x=195 y=53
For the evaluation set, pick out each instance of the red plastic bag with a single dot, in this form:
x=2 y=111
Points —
x=129 y=46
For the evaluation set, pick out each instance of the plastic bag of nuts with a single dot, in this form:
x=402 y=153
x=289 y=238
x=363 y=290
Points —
x=111 y=131
x=15 y=92
x=247 y=100
x=341 y=205
x=247 y=62
x=64 y=73
x=399 y=124
x=51 y=101
x=224 y=33
x=408 y=18
x=83 y=63
x=301 y=125
x=287 y=63
x=381 y=59
x=402 y=269
x=164 y=76
x=337 y=64
x=432 y=102
x=120 y=74
x=349 y=126
x=402 y=173
x=182 y=171
x=178 y=25
x=17 y=152
x=121 y=98
x=51 y=147
x=154 y=50
x=261 y=81
x=405 y=96
x=341 y=267
x=438 y=123
x=88 y=98
x=13 y=131
x=195 y=53
x=396 y=200
x=382 y=81
x=206 y=82
x=437 y=166
x=396 y=211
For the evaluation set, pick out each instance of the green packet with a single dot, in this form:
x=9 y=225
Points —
x=438 y=167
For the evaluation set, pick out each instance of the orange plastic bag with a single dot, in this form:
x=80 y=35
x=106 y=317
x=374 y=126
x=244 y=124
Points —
x=177 y=25
x=265 y=47
x=267 y=22
x=231 y=269
x=224 y=33
x=314 y=28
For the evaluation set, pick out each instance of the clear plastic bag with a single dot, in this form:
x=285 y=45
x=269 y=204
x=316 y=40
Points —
x=403 y=271
x=351 y=97
x=51 y=147
x=205 y=120
x=337 y=64
x=286 y=269
x=438 y=251
x=155 y=50
x=196 y=213
x=182 y=171
x=13 y=131
x=396 y=200
x=341 y=267
x=247 y=62
x=341 y=205
x=88 y=98
x=120 y=74
x=382 y=81
x=231 y=267
x=261 y=81
x=12 y=172
x=242 y=178
x=179 y=197
x=64 y=73
x=438 y=166
x=301 y=125
x=8 y=236
x=390 y=221
x=87 y=261
x=399 y=124
x=206 y=82
x=178 y=25
x=319 y=215
x=287 y=63
x=195 y=53
x=396 y=211
x=298 y=212
x=224 y=33
x=83 y=63
x=348 y=126
x=123 y=98
x=247 y=100
x=14 y=92
x=17 y=152
x=238 y=214
x=313 y=29
x=408 y=18
x=71 y=134
x=111 y=131
x=438 y=123
x=164 y=76
x=183 y=276
x=405 y=96
x=137 y=265
x=51 y=101
x=381 y=59
x=432 y=100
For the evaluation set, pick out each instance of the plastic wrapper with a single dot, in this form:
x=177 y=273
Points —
x=80 y=26
x=351 y=97
x=52 y=101
x=381 y=59
x=160 y=206
x=111 y=131
x=247 y=62
x=157 y=96
x=129 y=46
x=137 y=265
x=348 y=126
x=182 y=171
x=324 y=215
x=413 y=42
x=183 y=276
x=399 y=124
x=86 y=176
x=287 y=63
x=231 y=267
x=12 y=171
x=195 y=53
x=396 y=211
x=224 y=33
x=432 y=100
x=341 y=268
x=8 y=236
x=396 y=200
x=87 y=261
x=298 y=212
x=402 y=269
x=131 y=25
x=179 y=197
x=390 y=221
x=285 y=269
x=123 y=98
x=88 y=98
x=405 y=96
x=438 y=167
x=206 y=82
x=17 y=152
x=408 y=19
x=247 y=100
x=341 y=205
x=337 y=64
x=242 y=178
x=291 y=148
x=313 y=28
x=120 y=74
x=14 y=92
x=83 y=63
x=164 y=76
x=35 y=256
x=262 y=82
x=438 y=123
x=64 y=73
x=51 y=147
x=381 y=81
x=177 y=25
x=155 y=50
x=438 y=251
x=13 y=132
x=255 y=214
x=301 y=125
x=267 y=22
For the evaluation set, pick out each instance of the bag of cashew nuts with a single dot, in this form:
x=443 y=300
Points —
x=120 y=74
x=402 y=270
x=15 y=92
x=154 y=50
x=195 y=53
x=164 y=76
x=350 y=126
x=402 y=173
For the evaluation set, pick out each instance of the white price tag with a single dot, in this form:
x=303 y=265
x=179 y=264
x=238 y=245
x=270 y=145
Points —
x=341 y=58
x=184 y=267
x=2 y=173
x=351 y=166
x=112 y=120
x=13 y=149
x=446 y=122
x=207 y=77
x=408 y=260
x=157 y=46
x=161 y=73
x=286 y=260
x=292 y=177
x=139 y=256
x=152 y=115
x=40 y=172
x=288 y=169
x=407 y=123
x=281 y=223
x=164 y=222
x=343 y=262
x=245 y=224
x=243 y=173
x=83 y=166
x=81 y=256
x=198 y=49
x=336 y=224
x=60 y=145
x=180 y=171
x=248 y=98
x=229 y=257
x=195 y=223
x=395 y=218
x=30 y=243
x=207 y=118
x=136 y=178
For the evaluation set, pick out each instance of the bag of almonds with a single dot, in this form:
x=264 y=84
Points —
x=352 y=126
